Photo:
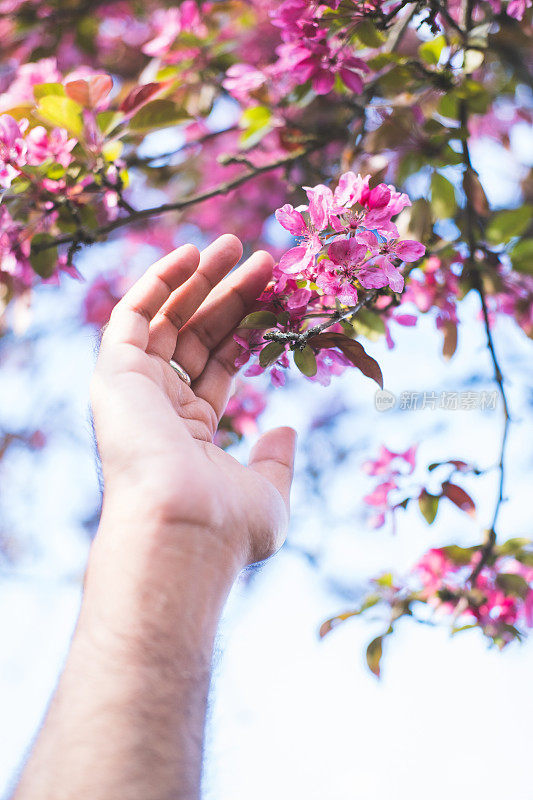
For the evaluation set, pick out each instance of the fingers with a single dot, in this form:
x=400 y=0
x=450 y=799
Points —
x=215 y=262
x=130 y=319
x=273 y=458
x=217 y=317
x=215 y=383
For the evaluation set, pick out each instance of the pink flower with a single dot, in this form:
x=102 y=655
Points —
x=319 y=62
x=28 y=75
x=381 y=270
x=350 y=189
x=170 y=22
x=329 y=363
x=383 y=464
x=55 y=145
x=12 y=150
x=320 y=205
x=241 y=80
x=336 y=276
x=291 y=220
x=517 y=8
x=102 y=296
x=244 y=407
x=300 y=258
x=432 y=569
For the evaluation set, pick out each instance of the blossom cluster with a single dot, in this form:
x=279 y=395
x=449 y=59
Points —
x=500 y=598
x=388 y=467
x=347 y=245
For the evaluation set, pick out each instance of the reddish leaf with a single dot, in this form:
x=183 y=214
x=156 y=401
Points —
x=354 y=352
x=329 y=624
x=459 y=497
x=462 y=466
x=475 y=193
x=139 y=95
x=89 y=93
x=449 y=345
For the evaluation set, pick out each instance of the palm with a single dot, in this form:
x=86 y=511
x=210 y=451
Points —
x=156 y=430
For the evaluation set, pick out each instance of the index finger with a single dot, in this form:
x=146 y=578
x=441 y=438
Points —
x=130 y=319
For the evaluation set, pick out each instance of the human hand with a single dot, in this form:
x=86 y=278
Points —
x=155 y=433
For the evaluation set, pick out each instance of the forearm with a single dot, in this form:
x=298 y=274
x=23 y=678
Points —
x=128 y=717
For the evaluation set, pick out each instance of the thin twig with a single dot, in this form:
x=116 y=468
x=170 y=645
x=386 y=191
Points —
x=472 y=222
x=186 y=202
x=299 y=340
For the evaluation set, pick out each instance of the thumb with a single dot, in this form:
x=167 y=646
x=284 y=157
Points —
x=273 y=458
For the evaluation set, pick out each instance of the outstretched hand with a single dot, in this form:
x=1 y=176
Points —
x=155 y=433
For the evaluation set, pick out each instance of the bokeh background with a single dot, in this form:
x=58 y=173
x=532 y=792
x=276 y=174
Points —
x=290 y=715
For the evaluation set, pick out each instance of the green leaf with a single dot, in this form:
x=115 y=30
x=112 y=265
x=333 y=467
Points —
x=429 y=505
x=464 y=628
x=386 y=580
x=255 y=122
x=270 y=354
x=509 y=223
x=522 y=256
x=369 y=324
x=513 y=584
x=305 y=360
x=43 y=262
x=513 y=546
x=369 y=601
x=259 y=320
x=459 y=555
x=374 y=651
x=396 y=80
x=420 y=220
x=157 y=114
x=63 y=112
x=44 y=89
x=443 y=200
x=449 y=105
x=108 y=120
x=55 y=172
x=368 y=34
x=431 y=51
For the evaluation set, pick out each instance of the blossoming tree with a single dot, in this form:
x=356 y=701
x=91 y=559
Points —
x=335 y=108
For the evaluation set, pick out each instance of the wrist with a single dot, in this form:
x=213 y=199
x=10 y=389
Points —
x=152 y=584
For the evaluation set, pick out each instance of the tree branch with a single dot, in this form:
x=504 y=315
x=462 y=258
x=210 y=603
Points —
x=179 y=205
x=472 y=221
x=299 y=340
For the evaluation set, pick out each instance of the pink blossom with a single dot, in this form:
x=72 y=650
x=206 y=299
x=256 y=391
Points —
x=244 y=407
x=349 y=190
x=329 y=363
x=517 y=8
x=242 y=80
x=54 y=144
x=169 y=23
x=432 y=569
x=13 y=150
x=381 y=270
x=387 y=462
x=291 y=220
x=28 y=75
x=102 y=296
